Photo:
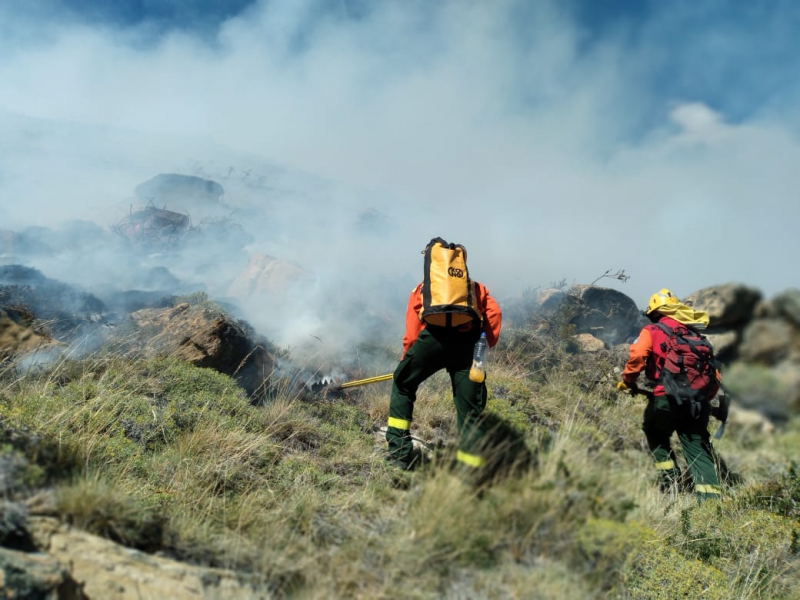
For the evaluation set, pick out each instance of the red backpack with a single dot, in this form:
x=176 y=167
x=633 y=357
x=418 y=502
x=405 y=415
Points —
x=688 y=369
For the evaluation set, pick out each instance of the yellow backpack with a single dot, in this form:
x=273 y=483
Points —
x=448 y=294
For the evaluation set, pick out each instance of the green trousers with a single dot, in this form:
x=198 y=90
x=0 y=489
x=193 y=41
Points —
x=662 y=417
x=438 y=348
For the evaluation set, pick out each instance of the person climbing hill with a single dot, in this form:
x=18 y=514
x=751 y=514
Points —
x=446 y=314
x=680 y=362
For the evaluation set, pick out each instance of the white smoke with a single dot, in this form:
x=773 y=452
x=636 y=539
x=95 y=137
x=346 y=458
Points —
x=488 y=124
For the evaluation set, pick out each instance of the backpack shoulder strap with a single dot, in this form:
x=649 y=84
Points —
x=680 y=331
x=666 y=329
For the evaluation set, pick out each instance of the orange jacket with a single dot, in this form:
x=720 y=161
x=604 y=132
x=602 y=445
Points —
x=490 y=311
x=639 y=353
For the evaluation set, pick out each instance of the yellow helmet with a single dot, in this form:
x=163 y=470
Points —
x=659 y=299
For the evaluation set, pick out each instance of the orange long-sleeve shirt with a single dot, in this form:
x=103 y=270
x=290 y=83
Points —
x=490 y=311
x=638 y=353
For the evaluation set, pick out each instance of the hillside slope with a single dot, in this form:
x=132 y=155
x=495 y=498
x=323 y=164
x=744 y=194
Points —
x=292 y=497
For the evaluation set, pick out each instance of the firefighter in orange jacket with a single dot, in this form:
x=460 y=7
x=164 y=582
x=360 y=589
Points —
x=663 y=414
x=426 y=350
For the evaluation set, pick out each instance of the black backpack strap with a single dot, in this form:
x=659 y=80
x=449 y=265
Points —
x=664 y=328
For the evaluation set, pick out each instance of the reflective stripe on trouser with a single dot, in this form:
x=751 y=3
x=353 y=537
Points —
x=663 y=416
x=436 y=348
x=471 y=460
x=399 y=424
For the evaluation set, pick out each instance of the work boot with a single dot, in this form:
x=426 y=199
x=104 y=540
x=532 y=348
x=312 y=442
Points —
x=409 y=462
x=404 y=463
x=670 y=480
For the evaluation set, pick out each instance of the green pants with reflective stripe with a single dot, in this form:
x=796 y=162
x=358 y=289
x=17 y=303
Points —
x=662 y=417
x=437 y=348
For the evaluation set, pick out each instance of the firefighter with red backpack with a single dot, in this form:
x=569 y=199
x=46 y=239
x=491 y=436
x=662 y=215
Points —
x=680 y=362
x=446 y=315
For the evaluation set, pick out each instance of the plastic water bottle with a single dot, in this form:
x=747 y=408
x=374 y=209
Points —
x=478 y=371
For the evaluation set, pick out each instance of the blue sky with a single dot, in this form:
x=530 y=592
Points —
x=560 y=138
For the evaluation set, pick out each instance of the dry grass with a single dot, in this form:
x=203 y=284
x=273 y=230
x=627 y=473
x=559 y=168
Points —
x=161 y=455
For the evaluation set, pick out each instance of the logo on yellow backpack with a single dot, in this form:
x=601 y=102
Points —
x=448 y=294
x=453 y=272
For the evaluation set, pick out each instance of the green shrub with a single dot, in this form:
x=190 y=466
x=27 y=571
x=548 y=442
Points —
x=663 y=574
x=781 y=497
x=630 y=560
x=751 y=546
x=723 y=530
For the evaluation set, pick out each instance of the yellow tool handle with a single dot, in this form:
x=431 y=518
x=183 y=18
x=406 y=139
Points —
x=365 y=381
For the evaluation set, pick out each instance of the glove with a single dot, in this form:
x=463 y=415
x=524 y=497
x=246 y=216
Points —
x=630 y=388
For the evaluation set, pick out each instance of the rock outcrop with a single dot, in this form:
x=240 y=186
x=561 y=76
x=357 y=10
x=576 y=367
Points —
x=602 y=314
x=607 y=314
x=174 y=189
x=64 y=309
x=758 y=342
x=206 y=337
x=728 y=305
x=18 y=337
x=70 y=564
x=588 y=343
x=36 y=575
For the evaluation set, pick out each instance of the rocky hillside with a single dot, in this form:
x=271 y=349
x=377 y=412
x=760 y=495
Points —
x=183 y=456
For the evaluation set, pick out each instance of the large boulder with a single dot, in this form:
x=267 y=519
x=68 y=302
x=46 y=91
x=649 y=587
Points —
x=788 y=374
x=725 y=343
x=728 y=305
x=549 y=299
x=81 y=565
x=371 y=220
x=173 y=189
x=206 y=337
x=588 y=343
x=773 y=391
x=36 y=575
x=766 y=372
x=608 y=315
x=785 y=305
x=767 y=341
x=218 y=236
